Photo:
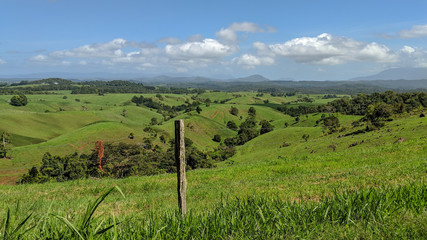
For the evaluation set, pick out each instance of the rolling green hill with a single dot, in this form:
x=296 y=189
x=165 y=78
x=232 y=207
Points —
x=279 y=164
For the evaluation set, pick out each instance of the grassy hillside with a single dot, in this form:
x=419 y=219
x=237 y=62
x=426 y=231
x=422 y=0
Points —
x=273 y=177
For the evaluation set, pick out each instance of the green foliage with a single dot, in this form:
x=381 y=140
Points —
x=4 y=144
x=377 y=114
x=232 y=125
x=20 y=100
x=252 y=112
x=265 y=127
x=234 y=111
x=399 y=102
x=198 y=109
x=216 y=138
x=331 y=123
x=120 y=160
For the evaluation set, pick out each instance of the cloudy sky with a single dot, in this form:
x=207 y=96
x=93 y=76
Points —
x=304 y=40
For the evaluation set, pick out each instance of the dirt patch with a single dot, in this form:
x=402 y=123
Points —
x=214 y=115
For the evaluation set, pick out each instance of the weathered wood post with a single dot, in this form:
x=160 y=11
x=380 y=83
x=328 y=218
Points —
x=180 y=165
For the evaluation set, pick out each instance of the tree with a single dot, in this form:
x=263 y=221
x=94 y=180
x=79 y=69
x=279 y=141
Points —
x=208 y=102
x=20 y=100
x=217 y=138
x=265 y=127
x=247 y=131
x=198 y=110
x=154 y=121
x=232 y=125
x=252 y=112
x=377 y=114
x=332 y=123
x=234 y=111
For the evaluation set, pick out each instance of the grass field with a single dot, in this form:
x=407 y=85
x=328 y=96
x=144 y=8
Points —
x=371 y=186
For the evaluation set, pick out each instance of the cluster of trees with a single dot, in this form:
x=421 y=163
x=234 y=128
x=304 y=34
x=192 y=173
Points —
x=300 y=110
x=166 y=110
x=119 y=161
x=398 y=102
x=90 y=87
x=248 y=129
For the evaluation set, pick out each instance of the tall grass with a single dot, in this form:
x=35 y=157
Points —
x=373 y=213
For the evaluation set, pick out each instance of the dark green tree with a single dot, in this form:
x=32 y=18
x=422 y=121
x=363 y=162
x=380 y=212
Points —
x=376 y=114
x=232 y=125
x=332 y=123
x=153 y=121
x=234 y=111
x=248 y=130
x=216 y=138
x=20 y=100
x=198 y=109
x=252 y=112
x=265 y=127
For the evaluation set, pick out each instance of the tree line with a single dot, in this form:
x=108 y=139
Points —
x=119 y=161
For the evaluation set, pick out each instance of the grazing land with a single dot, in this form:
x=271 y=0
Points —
x=300 y=178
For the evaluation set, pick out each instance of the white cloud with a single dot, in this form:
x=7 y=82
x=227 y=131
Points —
x=39 y=58
x=2 y=61
x=245 y=27
x=206 y=49
x=97 y=50
x=251 y=61
x=326 y=49
x=229 y=35
x=412 y=57
x=407 y=49
x=415 y=32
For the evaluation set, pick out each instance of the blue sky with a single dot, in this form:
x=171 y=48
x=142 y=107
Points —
x=304 y=40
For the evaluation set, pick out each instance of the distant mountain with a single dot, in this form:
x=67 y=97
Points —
x=252 y=78
x=397 y=74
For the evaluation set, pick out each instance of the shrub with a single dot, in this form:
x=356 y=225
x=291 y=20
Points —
x=20 y=100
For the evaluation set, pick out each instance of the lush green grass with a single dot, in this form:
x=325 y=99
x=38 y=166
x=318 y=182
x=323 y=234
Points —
x=373 y=213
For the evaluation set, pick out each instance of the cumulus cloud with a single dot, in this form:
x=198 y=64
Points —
x=97 y=50
x=412 y=57
x=326 y=49
x=206 y=49
x=251 y=61
x=415 y=32
x=39 y=58
x=245 y=27
x=229 y=35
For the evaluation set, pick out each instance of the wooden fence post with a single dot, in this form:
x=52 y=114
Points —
x=180 y=165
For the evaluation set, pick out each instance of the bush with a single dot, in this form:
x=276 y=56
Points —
x=20 y=100
x=234 y=111
x=217 y=138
